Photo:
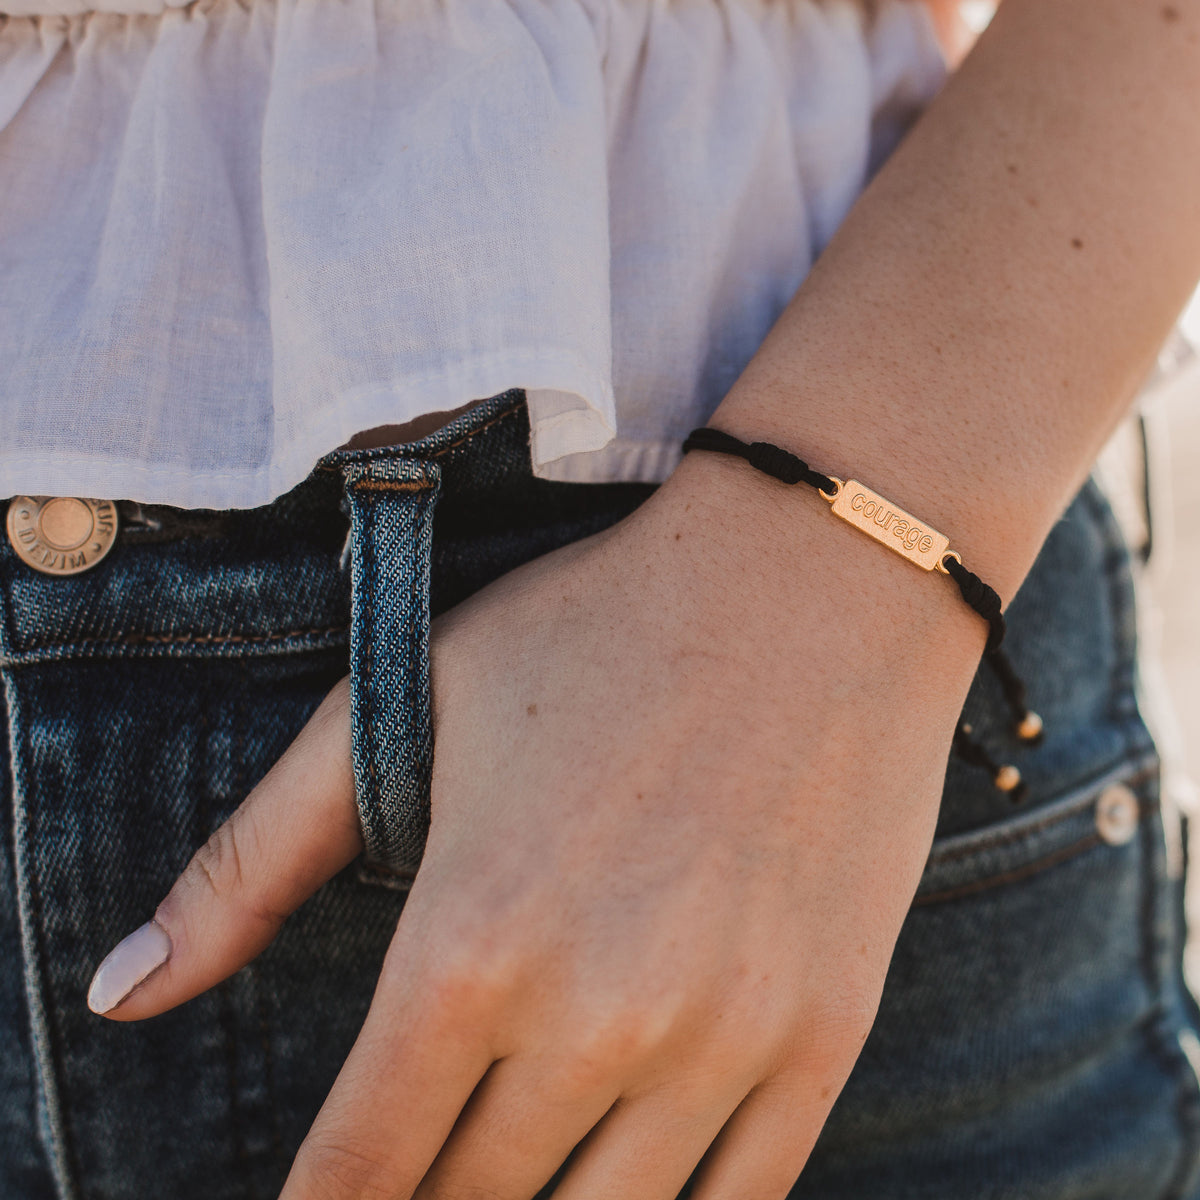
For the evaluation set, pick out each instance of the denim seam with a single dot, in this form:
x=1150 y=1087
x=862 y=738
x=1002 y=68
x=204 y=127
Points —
x=420 y=583
x=1015 y=836
x=377 y=875
x=504 y=416
x=381 y=452
x=43 y=1037
x=1008 y=837
x=1160 y=1042
x=1061 y=855
x=1117 y=563
x=390 y=485
x=80 y=647
x=367 y=623
x=1161 y=1045
x=1164 y=1047
x=999 y=840
x=1187 y=1105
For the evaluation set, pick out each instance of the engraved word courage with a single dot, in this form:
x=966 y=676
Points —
x=912 y=536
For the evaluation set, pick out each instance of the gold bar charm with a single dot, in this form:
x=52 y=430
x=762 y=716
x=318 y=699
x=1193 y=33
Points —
x=896 y=529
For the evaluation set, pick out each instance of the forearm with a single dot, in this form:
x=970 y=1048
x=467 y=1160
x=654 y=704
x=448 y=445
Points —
x=989 y=307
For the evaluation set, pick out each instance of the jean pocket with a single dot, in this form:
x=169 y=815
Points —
x=1031 y=1041
x=1107 y=810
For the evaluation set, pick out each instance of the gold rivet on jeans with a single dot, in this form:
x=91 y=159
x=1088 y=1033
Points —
x=1117 y=813
x=61 y=535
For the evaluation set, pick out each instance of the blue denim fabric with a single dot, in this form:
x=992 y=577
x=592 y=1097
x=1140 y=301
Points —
x=1031 y=1039
x=392 y=504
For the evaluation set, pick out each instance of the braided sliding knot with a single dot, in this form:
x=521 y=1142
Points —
x=982 y=598
x=775 y=460
x=772 y=460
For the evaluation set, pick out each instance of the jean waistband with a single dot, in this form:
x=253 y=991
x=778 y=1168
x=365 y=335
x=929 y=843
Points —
x=189 y=582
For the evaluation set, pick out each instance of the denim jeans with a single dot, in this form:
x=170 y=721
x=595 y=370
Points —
x=1034 y=1035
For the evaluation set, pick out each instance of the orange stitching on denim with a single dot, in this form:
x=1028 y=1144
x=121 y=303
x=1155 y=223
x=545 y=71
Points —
x=390 y=877
x=186 y=639
x=1015 y=835
x=511 y=411
x=508 y=412
x=1013 y=876
x=390 y=485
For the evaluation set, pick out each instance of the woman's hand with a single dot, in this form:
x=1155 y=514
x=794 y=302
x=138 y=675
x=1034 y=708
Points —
x=685 y=781
x=687 y=771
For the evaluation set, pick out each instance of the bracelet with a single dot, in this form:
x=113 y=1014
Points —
x=870 y=512
x=921 y=545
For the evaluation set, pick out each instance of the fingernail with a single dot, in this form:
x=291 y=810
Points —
x=141 y=953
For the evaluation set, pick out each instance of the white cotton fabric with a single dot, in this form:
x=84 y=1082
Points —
x=234 y=233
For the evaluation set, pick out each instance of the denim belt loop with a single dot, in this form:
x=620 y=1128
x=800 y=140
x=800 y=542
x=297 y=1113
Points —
x=391 y=503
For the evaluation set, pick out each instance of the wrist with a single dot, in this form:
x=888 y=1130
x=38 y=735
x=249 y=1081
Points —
x=981 y=498
x=792 y=573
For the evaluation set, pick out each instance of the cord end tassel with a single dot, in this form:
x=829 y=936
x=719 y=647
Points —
x=1005 y=776
x=1030 y=728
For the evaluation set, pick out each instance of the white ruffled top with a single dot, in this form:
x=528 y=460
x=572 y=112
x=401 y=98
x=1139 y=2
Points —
x=234 y=233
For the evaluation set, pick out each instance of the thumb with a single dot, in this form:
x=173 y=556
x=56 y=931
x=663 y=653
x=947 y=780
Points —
x=294 y=831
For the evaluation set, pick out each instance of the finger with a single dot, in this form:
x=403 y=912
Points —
x=297 y=828
x=420 y=1054
x=647 y=1147
x=520 y=1125
x=763 y=1148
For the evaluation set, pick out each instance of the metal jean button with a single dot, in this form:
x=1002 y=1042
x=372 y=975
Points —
x=61 y=535
x=1117 y=813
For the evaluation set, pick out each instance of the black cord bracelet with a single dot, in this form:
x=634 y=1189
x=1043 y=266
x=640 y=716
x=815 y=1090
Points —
x=781 y=464
x=911 y=539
